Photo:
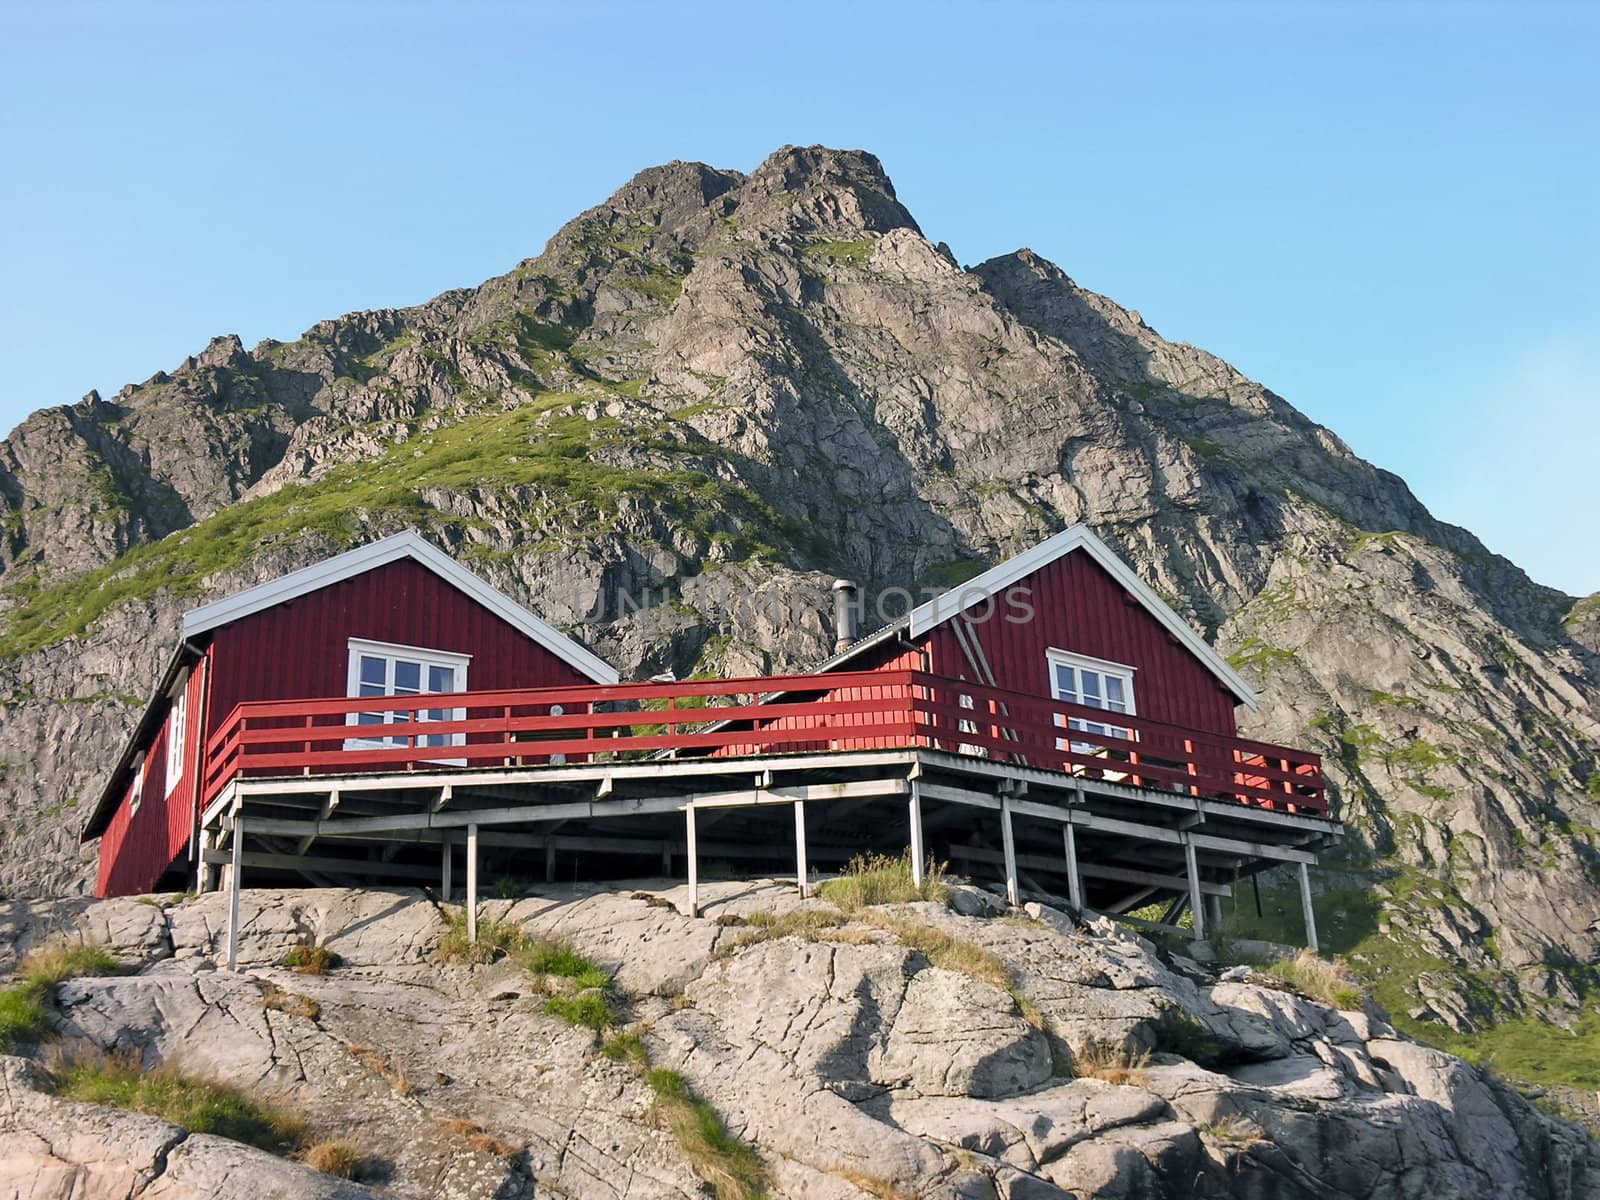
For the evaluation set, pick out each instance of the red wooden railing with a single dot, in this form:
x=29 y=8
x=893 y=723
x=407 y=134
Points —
x=773 y=715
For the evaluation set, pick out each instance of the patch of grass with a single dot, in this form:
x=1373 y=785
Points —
x=1319 y=978
x=869 y=879
x=197 y=1103
x=290 y=1003
x=310 y=960
x=23 y=1019
x=341 y=1158
x=386 y=1066
x=875 y=1186
x=857 y=253
x=729 y=1165
x=807 y=924
x=586 y=1000
x=1112 y=1062
x=1233 y=1130
x=475 y=1135
x=626 y=1046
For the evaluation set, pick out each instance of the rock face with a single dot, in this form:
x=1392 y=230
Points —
x=852 y=1064
x=719 y=391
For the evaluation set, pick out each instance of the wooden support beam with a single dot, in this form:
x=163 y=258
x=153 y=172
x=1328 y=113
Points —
x=550 y=860
x=918 y=852
x=446 y=854
x=802 y=875
x=235 y=874
x=693 y=855
x=1131 y=900
x=446 y=794
x=1310 y=913
x=1069 y=845
x=1010 y=845
x=1196 y=904
x=1091 y=870
x=472 y=883
x=346 y=868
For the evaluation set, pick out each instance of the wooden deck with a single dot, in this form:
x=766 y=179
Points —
x=649 y=777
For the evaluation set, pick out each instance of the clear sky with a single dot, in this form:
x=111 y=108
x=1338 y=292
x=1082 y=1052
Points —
x=1387 y=212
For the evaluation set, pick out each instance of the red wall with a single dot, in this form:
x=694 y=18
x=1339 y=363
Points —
x=138 y=847
x=1080 y=608
x=299 y=649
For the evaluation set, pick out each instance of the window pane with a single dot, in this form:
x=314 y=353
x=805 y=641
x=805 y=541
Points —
x=373 y=689
x=1115 y=698
x=374 y=670
x=1091 y=688
x=441 y=679
x=1066 y=685
x=369 y=718
x=407 y=677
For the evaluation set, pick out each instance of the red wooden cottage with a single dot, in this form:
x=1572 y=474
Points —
x=396 y=617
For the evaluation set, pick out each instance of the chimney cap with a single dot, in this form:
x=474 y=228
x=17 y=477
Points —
x=844 y=585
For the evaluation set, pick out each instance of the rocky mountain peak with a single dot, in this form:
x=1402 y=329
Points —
x=825 y=191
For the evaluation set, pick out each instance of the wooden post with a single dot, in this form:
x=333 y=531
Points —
x=444 y=869
x=550 y=860
x=918 y=854
x=1069 y=841
x=1305 y=903
x=694 y=861
x=472 y=883
x=801 y=873
x=235 y=871
x=1010 y=846
x=1196 y=904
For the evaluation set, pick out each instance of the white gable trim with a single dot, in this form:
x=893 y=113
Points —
x=362 y=559
x=992 y=583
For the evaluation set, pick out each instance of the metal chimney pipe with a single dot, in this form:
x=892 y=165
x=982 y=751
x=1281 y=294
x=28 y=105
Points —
x=846 y=610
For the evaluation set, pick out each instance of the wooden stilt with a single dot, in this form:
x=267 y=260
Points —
x=1305 y=903
x=1069 y=841
x=1009 y=845
x=472 y=883
x=918 y=853
x=1196 y=904
x=445 y=863
x=235 y=875
x=802 y=875
x=693 y=854
x=550 y=862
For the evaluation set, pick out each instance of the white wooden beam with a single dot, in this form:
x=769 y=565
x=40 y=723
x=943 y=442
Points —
x=693 y=855
x=235 y=874
x=1196 y=904
x=1010 y=845
x=1310 y=913
x=918 y=853
x=802 y=874
x=472 y=883
x=1069 y=846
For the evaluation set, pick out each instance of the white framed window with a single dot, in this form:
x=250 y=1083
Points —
x=384 y=669
x=177 y=733
x=1093 y=683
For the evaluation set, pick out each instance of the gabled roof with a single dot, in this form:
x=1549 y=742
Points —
x=997 y=579
x=362 y=559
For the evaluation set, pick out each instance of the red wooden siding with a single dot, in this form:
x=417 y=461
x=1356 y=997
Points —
x=300 y=648
x=138 y=847
x=1080 y=608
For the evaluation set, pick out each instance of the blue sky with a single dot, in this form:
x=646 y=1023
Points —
x=1385 y=212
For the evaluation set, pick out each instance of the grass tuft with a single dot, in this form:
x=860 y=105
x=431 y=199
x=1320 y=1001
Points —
x=386 y=1066
x=627 y=1047
x=23 y=1019
x=586 y=998
x=340 y=1158
x=1319 y=978
x=197 y=1103
x=869 y=879
x=290 y=1003
x=729 y=1165
x=310 y=960
x=479 y=1138
x=1112 y=1062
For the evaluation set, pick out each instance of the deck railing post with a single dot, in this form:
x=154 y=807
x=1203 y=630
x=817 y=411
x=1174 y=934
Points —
x=1009 y=844
x=802 y=875
x=1305 y=904
x=694 y=860
x=1196 y=904
x=235 y=874
x=472 y=883
x=918 y=853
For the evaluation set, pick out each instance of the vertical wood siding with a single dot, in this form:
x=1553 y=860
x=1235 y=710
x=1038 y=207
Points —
x=1079 y=607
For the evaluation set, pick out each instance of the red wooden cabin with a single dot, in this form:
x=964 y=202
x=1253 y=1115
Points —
x=396 y=617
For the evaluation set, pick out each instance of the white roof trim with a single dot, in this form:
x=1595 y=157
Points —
x=362 y=559
x=997 y=579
